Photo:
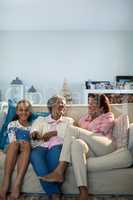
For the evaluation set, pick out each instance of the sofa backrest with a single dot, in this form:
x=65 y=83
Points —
x=77 y=110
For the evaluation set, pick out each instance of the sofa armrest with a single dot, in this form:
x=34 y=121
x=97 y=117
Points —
x=130 y=139
x=119 y=159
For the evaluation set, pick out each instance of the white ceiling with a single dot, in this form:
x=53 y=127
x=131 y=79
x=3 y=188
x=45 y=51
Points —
x=66 y=15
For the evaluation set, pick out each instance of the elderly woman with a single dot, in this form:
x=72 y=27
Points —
x=47 y=134
x=79 y=143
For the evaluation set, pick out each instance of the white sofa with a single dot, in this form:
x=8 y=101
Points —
x=110 y=174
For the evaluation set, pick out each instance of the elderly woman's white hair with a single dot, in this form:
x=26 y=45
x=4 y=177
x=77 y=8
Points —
x=53 y=100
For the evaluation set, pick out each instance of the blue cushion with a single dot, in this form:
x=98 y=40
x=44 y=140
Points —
x=10 y=115
x=38 y=114
x=3 y=132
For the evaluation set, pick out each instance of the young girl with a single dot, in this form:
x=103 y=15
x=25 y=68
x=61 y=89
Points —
x=18 y=150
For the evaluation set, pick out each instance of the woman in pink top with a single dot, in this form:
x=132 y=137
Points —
x=95 y=135
x=99 y=119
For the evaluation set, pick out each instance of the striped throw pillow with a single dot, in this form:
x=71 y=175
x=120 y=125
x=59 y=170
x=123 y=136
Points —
x=120 y=131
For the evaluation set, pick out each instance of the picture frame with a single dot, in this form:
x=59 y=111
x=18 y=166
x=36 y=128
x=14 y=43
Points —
x=124 y=79
x=101 y=84
x=130 y=85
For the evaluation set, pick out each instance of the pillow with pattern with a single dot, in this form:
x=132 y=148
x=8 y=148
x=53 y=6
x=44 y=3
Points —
x=120 y=131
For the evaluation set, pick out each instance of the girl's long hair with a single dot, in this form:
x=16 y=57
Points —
x=24 y=101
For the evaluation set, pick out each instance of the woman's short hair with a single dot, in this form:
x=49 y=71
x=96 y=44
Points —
x=102 y=100
x=53 y=100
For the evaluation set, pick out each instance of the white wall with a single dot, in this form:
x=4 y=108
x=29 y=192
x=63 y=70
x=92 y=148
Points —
x=46 y=58
x=66 y=15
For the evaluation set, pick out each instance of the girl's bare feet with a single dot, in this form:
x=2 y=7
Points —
x=15 y=193
x=13 y=197
x=2 y=195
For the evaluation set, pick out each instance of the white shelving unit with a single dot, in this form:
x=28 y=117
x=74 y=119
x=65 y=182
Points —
x=99 y=91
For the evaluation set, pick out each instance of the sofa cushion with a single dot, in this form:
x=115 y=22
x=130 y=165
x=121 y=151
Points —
x=114 y=182
x=120 y=158
x=31 y=181
x=130 y=142
x=120 y=131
